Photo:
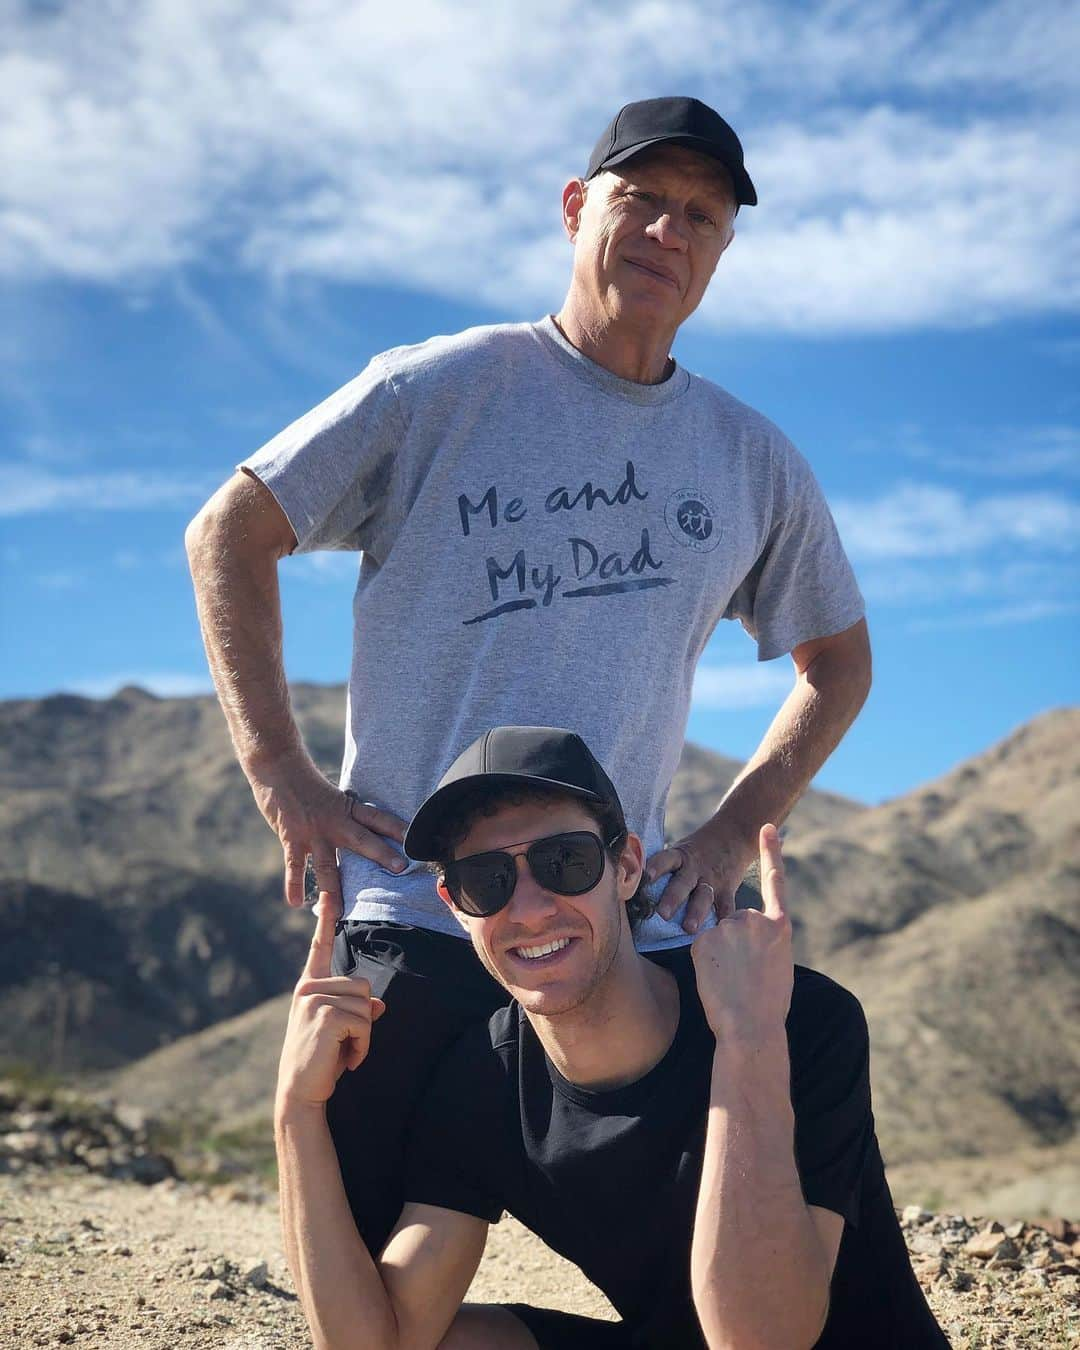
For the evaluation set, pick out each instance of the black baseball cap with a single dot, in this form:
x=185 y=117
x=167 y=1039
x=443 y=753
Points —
x=680 y=121
x=513 y=756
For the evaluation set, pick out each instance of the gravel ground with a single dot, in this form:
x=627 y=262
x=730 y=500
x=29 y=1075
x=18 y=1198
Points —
x=91 y=1261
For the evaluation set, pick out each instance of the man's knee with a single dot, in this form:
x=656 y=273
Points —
x=479 y=1327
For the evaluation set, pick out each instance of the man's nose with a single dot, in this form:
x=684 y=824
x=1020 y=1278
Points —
x=530 y=903
x=669 y=231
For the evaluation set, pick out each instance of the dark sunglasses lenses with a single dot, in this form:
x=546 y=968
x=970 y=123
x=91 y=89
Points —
x=568 y=864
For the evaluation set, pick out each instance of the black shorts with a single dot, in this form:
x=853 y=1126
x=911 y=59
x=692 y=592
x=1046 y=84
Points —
x=565 y=1331
x=434 y=988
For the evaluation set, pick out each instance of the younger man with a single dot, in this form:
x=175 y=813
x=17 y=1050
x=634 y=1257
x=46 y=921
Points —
x=696 y=1136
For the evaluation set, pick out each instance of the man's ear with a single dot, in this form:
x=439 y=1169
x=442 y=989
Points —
x=630 y=866
x=573 y=199
x=444 y=896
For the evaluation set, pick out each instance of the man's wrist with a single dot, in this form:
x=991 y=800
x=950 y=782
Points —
x=726 y=830
x=750 y=1049
x=292 y=1113
x=273 y=762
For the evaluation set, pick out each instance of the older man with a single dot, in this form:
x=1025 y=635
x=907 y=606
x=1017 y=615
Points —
x=695 y=1134
x=529 y=500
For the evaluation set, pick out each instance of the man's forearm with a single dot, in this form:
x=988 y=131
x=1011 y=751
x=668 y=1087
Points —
x=809 y=725
x=239 y=606
x=340 y=1289
x=758 y=1267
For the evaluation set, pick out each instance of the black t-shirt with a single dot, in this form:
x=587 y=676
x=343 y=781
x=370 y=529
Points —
x=610 y=1179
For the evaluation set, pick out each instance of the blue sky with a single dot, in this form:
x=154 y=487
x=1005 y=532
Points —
x=212 y=214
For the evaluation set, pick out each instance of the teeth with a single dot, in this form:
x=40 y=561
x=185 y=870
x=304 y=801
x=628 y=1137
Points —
x=531 y=953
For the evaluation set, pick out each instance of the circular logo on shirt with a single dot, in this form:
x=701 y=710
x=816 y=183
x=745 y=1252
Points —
x=693 y=520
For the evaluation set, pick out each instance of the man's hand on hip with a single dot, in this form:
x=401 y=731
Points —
x=744 y=966
x=313 y=819
x=330 y=1022
x=706 y=869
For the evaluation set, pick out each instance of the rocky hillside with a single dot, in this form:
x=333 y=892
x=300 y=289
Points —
x=954 y=913
x=139 y=886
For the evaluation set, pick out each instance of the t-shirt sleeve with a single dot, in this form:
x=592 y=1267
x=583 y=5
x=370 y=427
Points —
x=455 y=1149
x=336 y=472
x=830 y=1093
x=801 y=585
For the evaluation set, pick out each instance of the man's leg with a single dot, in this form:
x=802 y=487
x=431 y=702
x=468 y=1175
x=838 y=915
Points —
x=483 y=1328
x=434 y=987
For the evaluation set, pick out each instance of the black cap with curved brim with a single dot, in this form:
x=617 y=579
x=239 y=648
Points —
x=674 y=121
x=548 y=756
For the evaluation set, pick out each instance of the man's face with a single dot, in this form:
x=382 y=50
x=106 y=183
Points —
x=649 y=233
x=586 y=931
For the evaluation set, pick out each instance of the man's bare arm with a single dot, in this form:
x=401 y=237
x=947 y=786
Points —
x=832 y=680
x=234 y=546
x=405 y=1302
x=408 y=1300
x=761 y=1259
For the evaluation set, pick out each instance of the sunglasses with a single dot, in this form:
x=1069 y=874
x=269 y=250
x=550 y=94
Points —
x=567 y=864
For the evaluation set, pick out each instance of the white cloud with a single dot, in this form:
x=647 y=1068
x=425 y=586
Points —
x=741 y=686
x=1007 y=452
x=29 y=489
x=163 y=683
x=954 y=582
x=920 y=520
x=908 y=174
x=329 y=567
x=1004 y=616
x=60 y=580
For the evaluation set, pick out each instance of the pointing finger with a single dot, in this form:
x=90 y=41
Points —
x=317 y=966
x=772 y=873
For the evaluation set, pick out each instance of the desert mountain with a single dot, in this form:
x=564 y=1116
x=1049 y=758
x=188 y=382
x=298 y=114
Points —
x=953 y=912
x=139 y=886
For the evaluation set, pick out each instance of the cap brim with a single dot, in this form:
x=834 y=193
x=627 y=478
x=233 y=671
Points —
x=745 y=192
x=423 y=827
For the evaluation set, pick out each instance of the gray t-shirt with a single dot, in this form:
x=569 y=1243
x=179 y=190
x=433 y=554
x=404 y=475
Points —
x=544 y=543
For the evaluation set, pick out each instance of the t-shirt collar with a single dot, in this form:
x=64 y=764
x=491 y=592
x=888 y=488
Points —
x=648 y=395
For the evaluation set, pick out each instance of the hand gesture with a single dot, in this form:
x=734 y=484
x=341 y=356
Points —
x=706 y=871
x=330 y=1020
x=313 y=819
x=744 y=966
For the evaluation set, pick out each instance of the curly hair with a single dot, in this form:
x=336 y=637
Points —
x=486 y=799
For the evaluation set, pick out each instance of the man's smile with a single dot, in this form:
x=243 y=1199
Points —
x=541 y=952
